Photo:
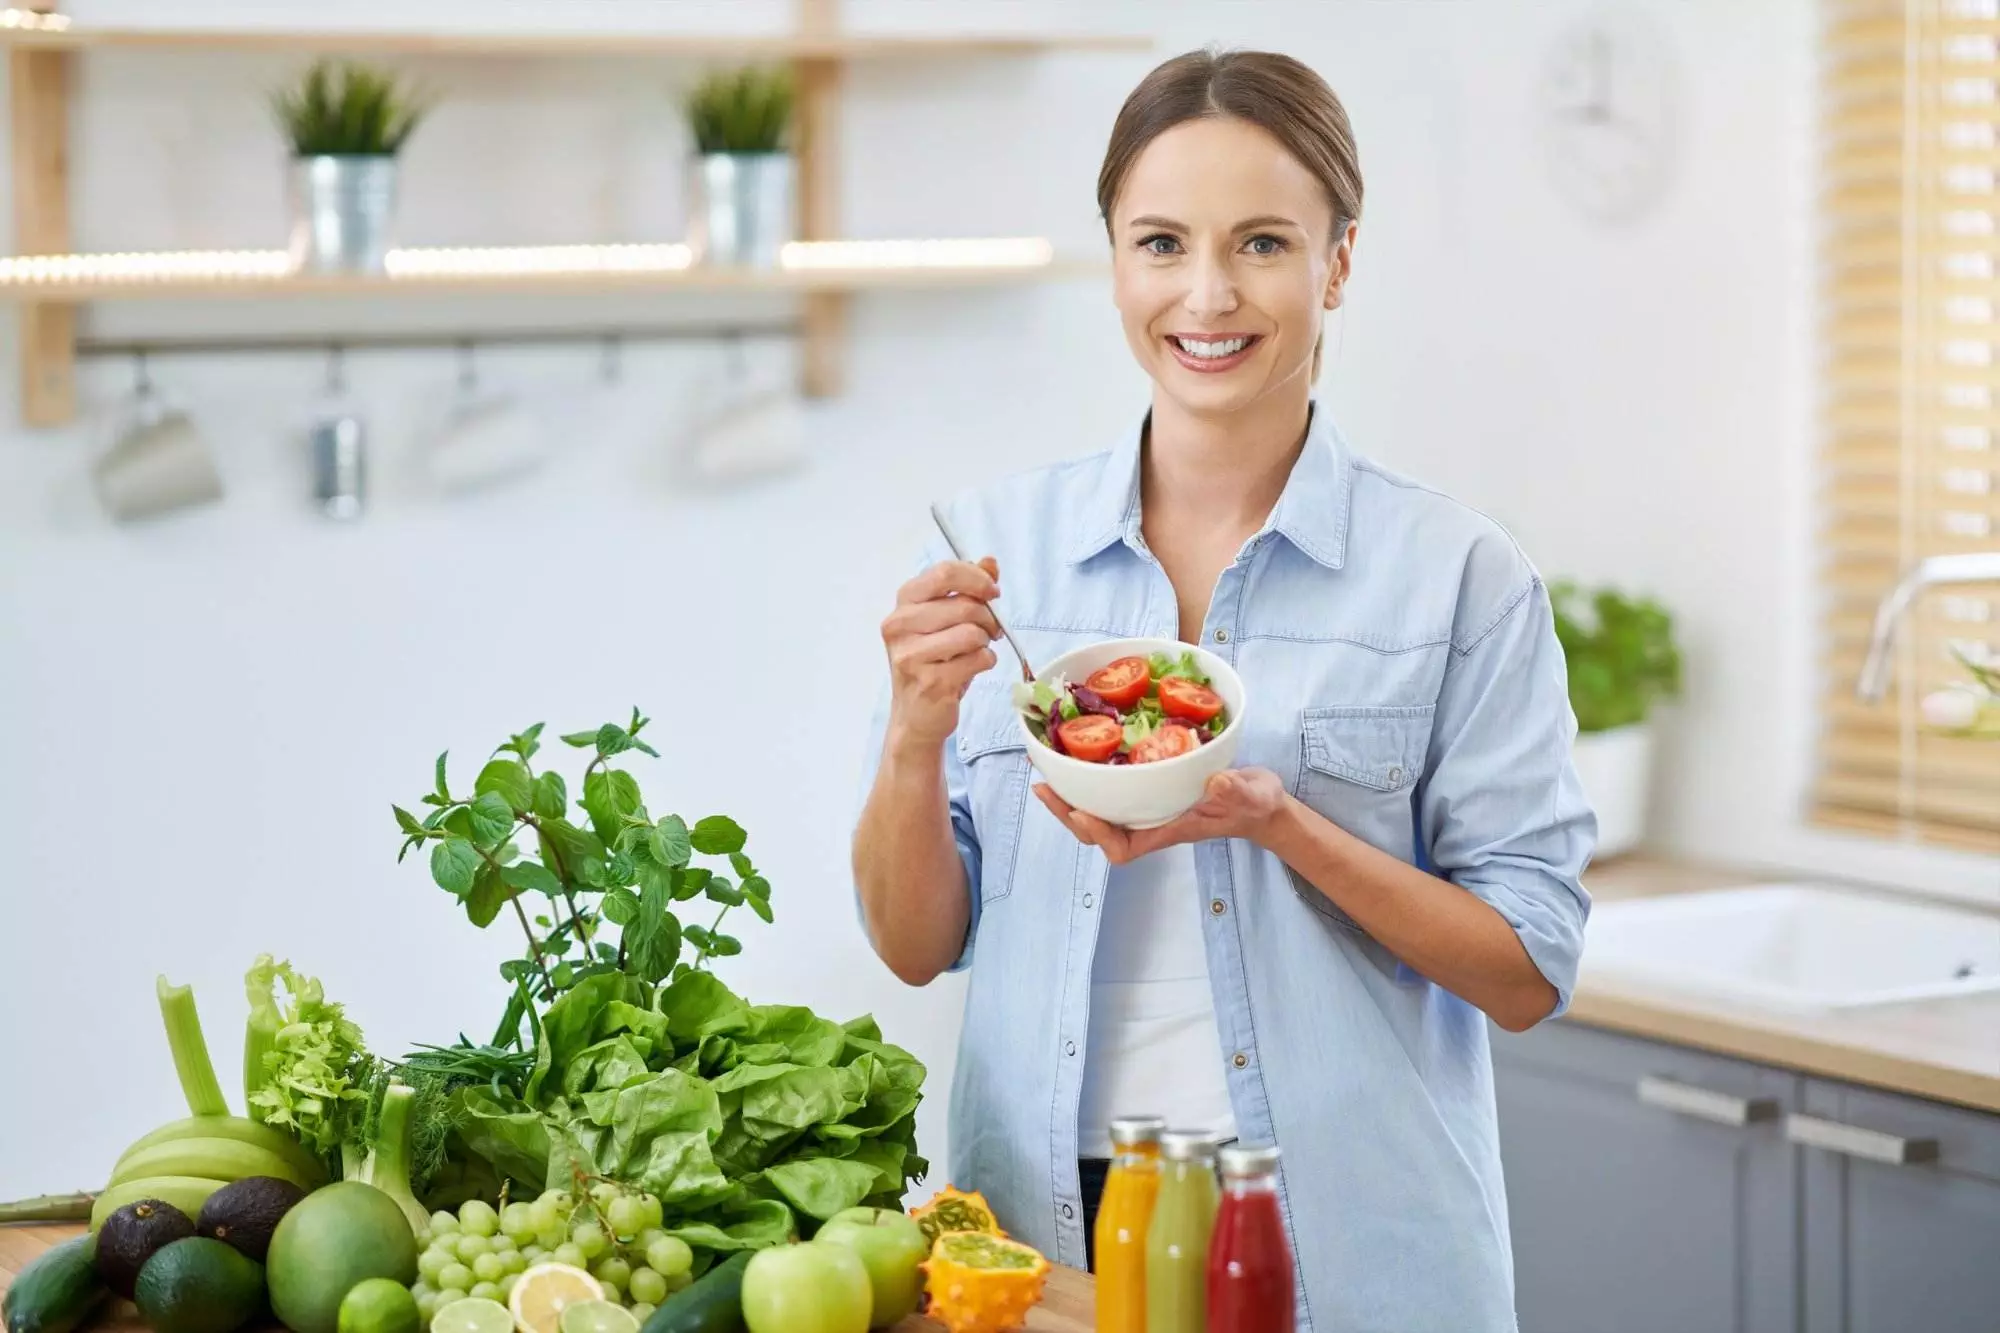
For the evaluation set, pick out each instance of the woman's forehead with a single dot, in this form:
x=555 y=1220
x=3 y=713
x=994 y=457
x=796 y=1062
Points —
x=1219 y=171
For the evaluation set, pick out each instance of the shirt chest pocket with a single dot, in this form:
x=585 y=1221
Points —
x=1358 y=766
x=995 y=756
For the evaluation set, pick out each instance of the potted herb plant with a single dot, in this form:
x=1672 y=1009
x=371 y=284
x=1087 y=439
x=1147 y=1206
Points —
x=740 y=180
x=346 y=123
x=1622 y=660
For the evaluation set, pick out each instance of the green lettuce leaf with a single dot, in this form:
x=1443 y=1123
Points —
x=822 y=1186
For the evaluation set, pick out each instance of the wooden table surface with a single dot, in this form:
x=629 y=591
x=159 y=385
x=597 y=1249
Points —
x=1066 y=1305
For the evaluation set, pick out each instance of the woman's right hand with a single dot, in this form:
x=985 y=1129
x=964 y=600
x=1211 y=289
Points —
x=939 y=637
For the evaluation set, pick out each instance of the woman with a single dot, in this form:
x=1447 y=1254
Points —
x=1271 y=965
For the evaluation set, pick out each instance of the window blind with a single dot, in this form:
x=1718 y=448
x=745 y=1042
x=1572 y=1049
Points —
x=1910 y=360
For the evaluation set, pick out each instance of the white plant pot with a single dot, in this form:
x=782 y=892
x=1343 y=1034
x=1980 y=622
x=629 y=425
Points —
x=1616 y=770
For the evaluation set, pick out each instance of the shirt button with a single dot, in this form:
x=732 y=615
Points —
x=1395 y=775
x=1222 y=636
x=1217 y=907
x=1241 y=1061
x=1068 y=1212
x=1088 y=900
x=1069 y=1048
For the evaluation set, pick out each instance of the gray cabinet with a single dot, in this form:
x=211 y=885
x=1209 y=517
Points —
x=1649 y=1188
x=1901 y=1207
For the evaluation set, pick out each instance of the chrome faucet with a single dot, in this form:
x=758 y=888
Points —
x=1976 y=567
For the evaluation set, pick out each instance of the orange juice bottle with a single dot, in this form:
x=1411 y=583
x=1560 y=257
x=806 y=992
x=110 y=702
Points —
x=1122 y=1219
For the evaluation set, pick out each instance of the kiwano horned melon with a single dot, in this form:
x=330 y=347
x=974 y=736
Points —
x=954 y=1210
x=982 y=1283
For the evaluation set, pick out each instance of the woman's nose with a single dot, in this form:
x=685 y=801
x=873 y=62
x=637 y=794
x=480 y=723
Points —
x=1212 y=288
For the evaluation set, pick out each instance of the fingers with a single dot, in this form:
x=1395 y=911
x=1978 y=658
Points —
x=940 y=614
x=1087 y=829
x=944 y=646
x=953 y=576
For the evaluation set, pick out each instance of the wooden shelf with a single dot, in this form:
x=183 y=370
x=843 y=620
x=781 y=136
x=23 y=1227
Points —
x=108 y=288
x=648 y=45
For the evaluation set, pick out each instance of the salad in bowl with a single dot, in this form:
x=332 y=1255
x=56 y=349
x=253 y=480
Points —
x=1131 y=730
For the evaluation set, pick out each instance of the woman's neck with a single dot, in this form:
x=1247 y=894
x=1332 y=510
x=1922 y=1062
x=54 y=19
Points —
x=1222 y=474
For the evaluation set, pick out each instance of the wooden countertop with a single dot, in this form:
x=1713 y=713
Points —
x=1948 y=1050
x=1066 y=1307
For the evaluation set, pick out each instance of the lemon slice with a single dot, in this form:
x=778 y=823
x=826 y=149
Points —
x=472 y=1315
x=598 y=1317
x=543 y=1293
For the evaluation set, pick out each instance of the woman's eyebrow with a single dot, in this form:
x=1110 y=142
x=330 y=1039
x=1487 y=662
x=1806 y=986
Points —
x=1266 y=220
x=1154 y=222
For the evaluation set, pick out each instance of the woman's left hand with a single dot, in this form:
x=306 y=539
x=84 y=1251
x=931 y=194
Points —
x=1238 y=803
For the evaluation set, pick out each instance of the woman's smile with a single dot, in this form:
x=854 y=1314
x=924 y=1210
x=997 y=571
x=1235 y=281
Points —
x=1212 y=353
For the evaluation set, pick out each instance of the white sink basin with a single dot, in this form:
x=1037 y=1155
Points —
x=1795 y=946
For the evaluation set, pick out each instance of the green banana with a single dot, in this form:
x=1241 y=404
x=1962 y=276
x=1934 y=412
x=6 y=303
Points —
x=211 y=1159
x=305 y=1170
x=187 y=1193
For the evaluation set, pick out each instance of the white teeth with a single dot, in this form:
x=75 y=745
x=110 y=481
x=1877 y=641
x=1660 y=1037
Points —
x=1212 y=350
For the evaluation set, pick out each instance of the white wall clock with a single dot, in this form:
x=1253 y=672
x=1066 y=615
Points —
x=1607 y=111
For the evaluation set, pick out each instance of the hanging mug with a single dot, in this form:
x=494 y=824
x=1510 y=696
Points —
x=158 y=462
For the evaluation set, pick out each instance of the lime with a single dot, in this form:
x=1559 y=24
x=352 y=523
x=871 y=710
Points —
x=598 y=1317
x=379 y=1305
x=542 y=1293
x=467 y=1315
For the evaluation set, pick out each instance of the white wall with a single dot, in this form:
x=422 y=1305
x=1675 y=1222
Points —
x=202 y=722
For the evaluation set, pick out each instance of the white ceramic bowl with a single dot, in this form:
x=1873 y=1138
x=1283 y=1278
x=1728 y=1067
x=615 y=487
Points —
x=1139 y=795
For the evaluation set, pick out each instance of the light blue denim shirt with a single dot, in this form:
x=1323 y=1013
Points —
x=1406 y=683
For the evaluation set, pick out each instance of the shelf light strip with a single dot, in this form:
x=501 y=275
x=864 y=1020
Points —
x=32 y=20
x=171 y=266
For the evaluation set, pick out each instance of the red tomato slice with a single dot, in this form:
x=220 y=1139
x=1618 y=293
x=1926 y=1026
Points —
x=1180 y=697
x=1122 y=683
x=1167 y=743
x=1092 y=737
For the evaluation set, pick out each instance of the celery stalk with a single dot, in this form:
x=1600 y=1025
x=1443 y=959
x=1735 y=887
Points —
x=48 y=1208
x=191 y=1062
x=387 y=1166
x=260 y=1034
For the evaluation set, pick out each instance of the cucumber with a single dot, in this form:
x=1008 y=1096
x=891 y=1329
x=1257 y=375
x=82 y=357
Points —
x=714 y=1304
x=57 y=1291
x=187 y=1193
x=214 y=1159
x=243 y=1131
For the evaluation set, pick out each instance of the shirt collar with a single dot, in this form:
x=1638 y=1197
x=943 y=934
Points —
x=1311 y=513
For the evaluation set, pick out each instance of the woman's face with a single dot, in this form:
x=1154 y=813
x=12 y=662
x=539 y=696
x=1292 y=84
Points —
x=1225 y=263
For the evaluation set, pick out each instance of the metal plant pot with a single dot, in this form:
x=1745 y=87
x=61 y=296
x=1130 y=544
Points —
x=343 y=209
x=740 y=208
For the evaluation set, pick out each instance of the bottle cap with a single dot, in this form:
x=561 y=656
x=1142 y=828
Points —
x=1129 y=1131
x=1187 y=1145
x=1242 y=1160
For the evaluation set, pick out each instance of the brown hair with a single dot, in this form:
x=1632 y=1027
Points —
x=1279 y=95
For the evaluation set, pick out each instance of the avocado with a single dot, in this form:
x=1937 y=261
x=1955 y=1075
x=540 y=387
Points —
x=132 y=1235
x=199 y=1285
x=246 y=1213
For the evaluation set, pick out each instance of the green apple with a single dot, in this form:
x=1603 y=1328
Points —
x=807 y=1289
x=891 y=1245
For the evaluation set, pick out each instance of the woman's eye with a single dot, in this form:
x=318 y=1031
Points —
x=1265 y=245
x=1161 y=244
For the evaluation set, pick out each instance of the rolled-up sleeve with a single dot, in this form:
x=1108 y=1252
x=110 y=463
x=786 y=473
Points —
x=957 y=793
x=1503 y=813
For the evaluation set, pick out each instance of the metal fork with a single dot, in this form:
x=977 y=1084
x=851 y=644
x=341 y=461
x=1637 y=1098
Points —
x=951 y=540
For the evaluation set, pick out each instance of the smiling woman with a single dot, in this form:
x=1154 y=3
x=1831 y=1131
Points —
x=1310 y=954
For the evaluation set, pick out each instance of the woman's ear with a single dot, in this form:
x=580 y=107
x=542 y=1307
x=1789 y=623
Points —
x=1342 y=265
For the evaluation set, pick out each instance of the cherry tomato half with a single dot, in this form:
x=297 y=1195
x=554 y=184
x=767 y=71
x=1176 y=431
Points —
x=1180 y=697
x=1122 y=683
x=1168 y=742
x=1092 y=737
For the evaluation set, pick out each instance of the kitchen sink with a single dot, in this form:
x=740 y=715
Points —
x=1795 y=946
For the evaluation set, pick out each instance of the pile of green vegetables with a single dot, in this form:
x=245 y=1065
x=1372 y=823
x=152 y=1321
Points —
x=618 y=1056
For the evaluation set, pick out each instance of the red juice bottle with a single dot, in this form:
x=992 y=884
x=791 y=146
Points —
x=1249 y=1261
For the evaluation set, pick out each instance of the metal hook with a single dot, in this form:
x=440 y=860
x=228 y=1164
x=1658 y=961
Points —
x=336 y=369
x=142 y=379
x=468 y=369
x=613 y=364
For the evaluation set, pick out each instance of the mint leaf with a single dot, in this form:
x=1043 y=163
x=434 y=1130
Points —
x=741 y=864
x=453 y=864
x=489 y=894
x=718 y=835
x=532 y=878
x=407 y=822
x=670 y=842
x=621 y=907
x=551 y=796
x=621 y=869
x=491 y=818
x=510 y=779
x=443 y=792
x=724 y=946
x=720 y=890
x=608 y=796
x=611 y=739
x=697 y=936
x=762 y=907
x=756 y=886
x=690 y=882
x=582 y=740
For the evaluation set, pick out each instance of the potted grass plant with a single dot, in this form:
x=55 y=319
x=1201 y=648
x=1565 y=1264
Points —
x=345 y=123
x=1622 y=661
x=740 y=179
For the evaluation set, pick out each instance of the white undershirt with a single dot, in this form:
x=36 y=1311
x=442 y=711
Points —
x=1153 y=1046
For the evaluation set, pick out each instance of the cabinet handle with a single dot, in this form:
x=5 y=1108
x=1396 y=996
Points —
x=1705 y=1103
x=1854 y=1141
